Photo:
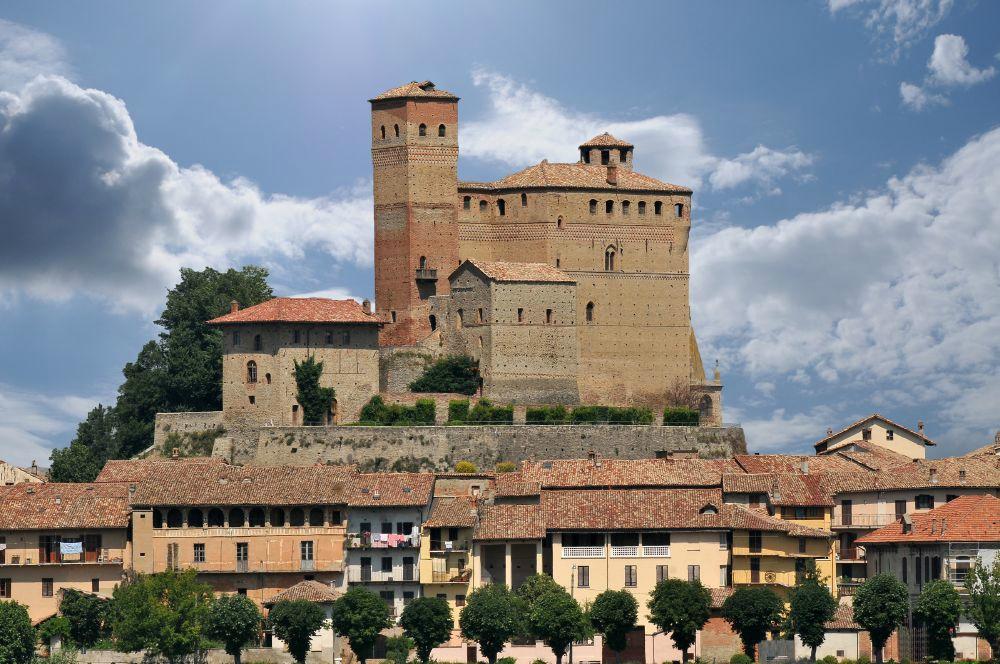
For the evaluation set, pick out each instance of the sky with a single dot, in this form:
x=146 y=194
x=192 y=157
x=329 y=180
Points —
x=845 y=157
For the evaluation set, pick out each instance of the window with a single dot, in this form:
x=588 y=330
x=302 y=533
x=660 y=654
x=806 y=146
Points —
x=408 y=597
x=482 y=206
x=501 y=206
x=251 y=372
x=605 y=157
x=625 y=207
x=609 y=207
x=296 y=337
x=433 y=322
x=658 y=207
x=216 y=519
x=422 y=129
x=387 y=564
x=548 y=316
x=236 y=518
x=950 y=497
x=679 y=209
x=253 y=399
x=236 y=337
x=694 y=572
x=277 y=517
x=335 y=519
x=662 y=573
x=961 y=475
x=520 y=314
x=756 y=499
x=962 y=566
x=593 y=206
x=306 y=550
x=316 y=517
x=590 y=312
x=257 y=343
x=395 y=128
x=328 y=337
x=919 y=570
x=724 y=579
x=755 y=541
x=889 y=434
x=242 y=551
x=642 y=207
x=199 y=552
x=408 y=568
x=583 y=576
x=866 y=434
x=925 y=502
x=467 y=202
x=557 y=262
x=46 y=587
x=297 y=517
x=904 y=569
x=459 y=600
x=174 y=518
x=802 y=545
x=3 y=550
x=441 y=130
x=383 y=132
x=479 y=313
x=196 y=518
x=900 y=508
x=623 y=155
x=524 y=200
x=609 y=259
x=755 y=570
x=256 y=518
x=631 y=576
x=5 y=588
x=723 y=541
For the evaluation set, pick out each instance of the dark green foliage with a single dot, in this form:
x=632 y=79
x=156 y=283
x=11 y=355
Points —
x=547 y=415
x=938 y=609
x=458 y=374
x=680 y=416
x=534 y=587
x=295 y=623
x=982 y=587
x=610 y=414
x=681 y=608
x=614 y=614
x=179 y=371
x=377 y=412
x=233 y=620
x=752 y=613
x=360 y=615
x=164 y=614
x=490 y=618
x=56 y=626
x=484 y=412
x=397 y=649
x=880 y=606
x=741 y=658
x=458 y=411
x=88 y=616
x=17 y=636
x=555 y=618
x=428 y=622
x=810 y=608
x=506 y=467
x=315 y=400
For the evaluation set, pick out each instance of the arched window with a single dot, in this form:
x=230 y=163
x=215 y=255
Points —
x=257 y=343
x=705 y=410
x=383 y=131
x=267 y=378
x=590 y=312
x=459 y=318
x=251 y=372
x=467 y=202
x=586 y=155
x=196 y=518
x=524 y=200
x=501 y=206
x=316 y=515
x=157 y=519
x=609 y=259
x=548 y=316
x=642 y=207
x=441 y=130
x=625 y=206
x=434 y=322
x=709 y=509
x=679 y=208
x=236 y=517
x=256 y=519
x=216 y=519
x=623 y=155
x=605 y=157
x=593 y=206
x=396 y=129
x=297 y=517
x=482 y=206
x=277 y=517
x=609 y=206
x=520 y=314
x=174 y=518
x=904 y=569
x=423 y=262
x=423 y=129
x=658 y=207
x=559 y=222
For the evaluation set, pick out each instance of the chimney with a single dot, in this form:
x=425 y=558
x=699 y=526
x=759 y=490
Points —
x=613 y=175
x=592 y=455
x=34 y=467
x=920 y=427
x=829 y=431
x=934 y=478
x=805 y=467
x=234 y=306
x=175 y=453
x=366 y=305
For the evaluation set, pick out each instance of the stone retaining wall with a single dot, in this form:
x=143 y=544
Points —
x=182 y=429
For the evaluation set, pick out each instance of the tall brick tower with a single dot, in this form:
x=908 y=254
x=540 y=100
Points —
x=415 y=160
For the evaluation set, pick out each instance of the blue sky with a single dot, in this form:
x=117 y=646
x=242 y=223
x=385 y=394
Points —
x=845 y=156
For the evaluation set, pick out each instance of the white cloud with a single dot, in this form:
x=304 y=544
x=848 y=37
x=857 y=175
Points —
x=904 y=21
x=899 y=290
x=31 y=423
x=918 y=98
x=332 y=293
x=782 y=432
x=26 y=53
x=949 y=64
x=524 y=126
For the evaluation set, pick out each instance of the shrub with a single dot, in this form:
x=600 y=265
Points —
x=864 y=659
x=397 y=649
x=458 y=411
x=465 y=467
x=55 y=626
x=485 y=412
x=740 y=658
x=829 y=659
x=378 y=412
x=507 y=660
x=506 y=467
x=455 y=373
x=547 y=415
x=611 y=414
x=680 y=416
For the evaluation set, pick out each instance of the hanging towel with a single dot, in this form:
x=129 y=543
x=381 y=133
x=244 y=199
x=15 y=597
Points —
x=3 y=546
x=69 y=548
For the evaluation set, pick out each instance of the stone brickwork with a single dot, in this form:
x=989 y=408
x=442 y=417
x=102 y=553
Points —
x=186 y=430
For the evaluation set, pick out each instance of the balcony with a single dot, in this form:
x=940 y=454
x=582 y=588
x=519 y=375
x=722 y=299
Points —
x=260 y=566
x=307 y=565
x=242 y=566
x=453 y=576
x=373 y=541
x=364 y=575
x=450 y=546
x=848 y=586
x=426 y=274
x=583 y=552
x=624 y=551
x=850 y=554
x=863 y=521
x=103 y=557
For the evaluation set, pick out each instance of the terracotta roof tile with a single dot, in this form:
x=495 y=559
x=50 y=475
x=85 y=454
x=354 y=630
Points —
x=739 y=517
x=978 y=472
x=590 y=177
x=788 y=489
x=632 y=509
x=514 y=485
x=843 y=619
x=720 y=595
x=964 y=519
x=391 y=489
x=452 y=512
x=310 y=591
x=606 y=140
x=414 y=89
x=300 y=310
x=628 y=472
x=139 y=470
x=869 y=418
x=510 y=522
x=507 y=272
x=47 y=506
x=793 y=463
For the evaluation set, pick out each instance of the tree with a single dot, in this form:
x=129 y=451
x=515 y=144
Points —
x=234 y=620
x=87 y=615
x=681 y=608
x=56 y=626
x=428 y=621
x=810 y=608
x=359 y=614
x=295 y=622
x=614 y=614
x=490 y=618
x=17 y=636
x=939 y=608
x=880 y=606
x=94 y=443
x=752 y=613
x=556 y=618
x=982 y=584
x=315 y=400
x=534 y=587
x=164 y=614
x=458 y=374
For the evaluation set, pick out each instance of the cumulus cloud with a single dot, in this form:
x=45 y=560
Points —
x=524 y=126
x=89 y=208
x=948 y=67
x=900 y=290
x=903 y=21
x=26 y=53
x=784 y=432
x=30 y=421
x=918 y=98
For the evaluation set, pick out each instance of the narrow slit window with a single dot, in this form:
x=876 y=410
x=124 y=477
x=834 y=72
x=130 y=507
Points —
x=593 y=206
x=609 y=207
x=441 y=130
x=422 y=130
x=658 y=207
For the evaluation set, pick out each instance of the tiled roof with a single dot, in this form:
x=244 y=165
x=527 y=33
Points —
x=507 y=522
x=979 y=472
x=503 y=271
x=546 y=175
x=739 y=517
x=843 y=619
x=866 y=420
x=606 y=140
x=628 y=472
x=45 y=506
x=631 y=509
x=414 y=89
x=311 y=591
x=139 y=470
x=181 y=482
x=790 y=489
x=720 y=595
x=300 y=310
x=964 y=519
x=514 y=485
x=452 y=512
x=793 y=463
x=868 y=455
x=391 y=490
x=991 y=450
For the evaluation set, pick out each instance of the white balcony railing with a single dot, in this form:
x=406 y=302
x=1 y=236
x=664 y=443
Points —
x=624 y=551
x=656 y=551
x=863 y=520
x=583 y=552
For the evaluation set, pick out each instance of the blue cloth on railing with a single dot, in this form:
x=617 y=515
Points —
x=67 y=548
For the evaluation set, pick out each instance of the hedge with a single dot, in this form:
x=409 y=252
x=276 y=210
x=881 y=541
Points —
x=547 y=415
x=611 y=414
x=458 y=411
x=485 y=412
x=455 y=373
x=377 y=412
x=680 y=416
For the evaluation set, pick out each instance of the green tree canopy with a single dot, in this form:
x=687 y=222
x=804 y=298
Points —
x=428 y=622
x=490 y=618
x=164 y=614
x=359 y=614
x=557 y=619
x=614 y=614
x=87 y=614
x=681 y=608
x=17 y=636
x=938 y=608
x=295 y=622
x=982 y=584
x=234 y=620
x=752 y=613
x=456 y=373
x=811 y=607
x=315 y=400
x=880 y=606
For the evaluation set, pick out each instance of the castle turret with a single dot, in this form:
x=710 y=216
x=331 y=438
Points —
x=606 y=150
x=415 y=160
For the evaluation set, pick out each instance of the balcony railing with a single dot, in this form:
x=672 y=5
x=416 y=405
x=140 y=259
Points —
x=616 y=551
x=656 y=551
x=374 y=541
x=447 y=546
x=242 y=566
x=863 y=520
x=848 y=587
x=307 y=565
x=364 y=575
x=453 y=576
x=104 y=557
x=583 y=552
x=426 y=274
x=624 y=551
x=850 y=553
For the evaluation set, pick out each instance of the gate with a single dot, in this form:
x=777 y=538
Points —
x=776 y=651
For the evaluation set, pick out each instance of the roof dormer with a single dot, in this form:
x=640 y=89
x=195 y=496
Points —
x=606 y=150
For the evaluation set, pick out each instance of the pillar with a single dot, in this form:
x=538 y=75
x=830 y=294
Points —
x=508 y=572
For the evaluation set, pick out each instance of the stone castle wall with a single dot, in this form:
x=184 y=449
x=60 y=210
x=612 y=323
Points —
x=186 y=431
